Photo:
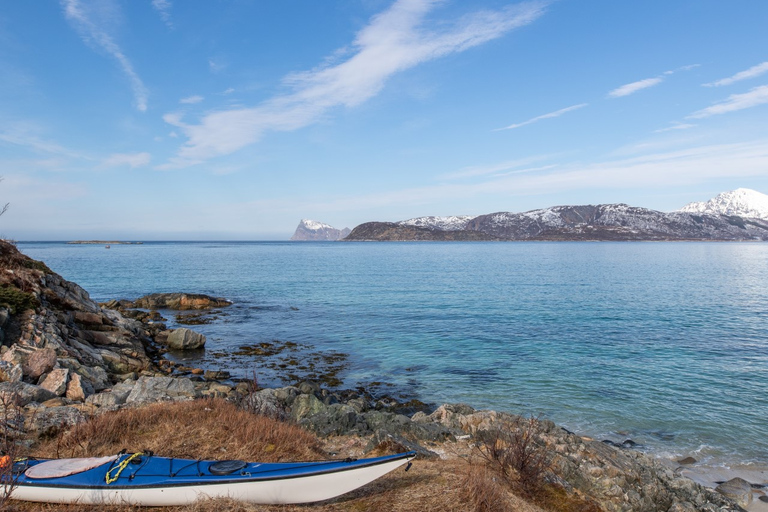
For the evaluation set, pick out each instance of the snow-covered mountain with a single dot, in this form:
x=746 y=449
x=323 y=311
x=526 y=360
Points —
x=582 y=222
x=451 y=223
x=313 y=230
x=742 y=202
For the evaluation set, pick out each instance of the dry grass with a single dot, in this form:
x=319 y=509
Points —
x=206 y=429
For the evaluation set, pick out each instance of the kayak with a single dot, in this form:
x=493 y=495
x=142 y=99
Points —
x=148 y=480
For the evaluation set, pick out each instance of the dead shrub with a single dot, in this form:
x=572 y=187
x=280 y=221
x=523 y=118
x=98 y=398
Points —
x=516 y=451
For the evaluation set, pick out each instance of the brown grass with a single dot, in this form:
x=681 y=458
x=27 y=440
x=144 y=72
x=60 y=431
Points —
x=205 y=429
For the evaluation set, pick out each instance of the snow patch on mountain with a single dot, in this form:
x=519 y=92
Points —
x=451 y=223
x=742 y=202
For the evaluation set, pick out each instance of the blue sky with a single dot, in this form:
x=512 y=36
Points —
x=234 y=119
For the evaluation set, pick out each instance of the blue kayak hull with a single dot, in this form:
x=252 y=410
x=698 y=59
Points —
x=161 y=481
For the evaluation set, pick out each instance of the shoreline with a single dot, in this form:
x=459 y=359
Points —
x=64 y=322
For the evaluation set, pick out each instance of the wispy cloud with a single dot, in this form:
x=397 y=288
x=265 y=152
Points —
x=752 y=72
x=556 y=113
x=734 y=102
x=394 y=41
x=484 y=170
x=191 y=99
x=20 y=137
x=626 y=90
x=163 y=8
x=631 y=88
x=132 y=160
x=675 y=126
x=80 y=16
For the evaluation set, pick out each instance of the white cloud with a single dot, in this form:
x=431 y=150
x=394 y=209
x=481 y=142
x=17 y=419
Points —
x=393 y=41
x=81 y=16
x=743 y=75
x=132 y=160
x=228 y=91
x=163 y=8
x=753 y=98
x=626 y=90
x=192 y=99
x=474 y=171
x=556 y=113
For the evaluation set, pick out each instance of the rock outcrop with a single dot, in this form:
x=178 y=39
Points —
x=178 y=301
x=52 y=330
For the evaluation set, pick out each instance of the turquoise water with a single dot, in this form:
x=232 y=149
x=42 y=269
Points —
x=663 y=343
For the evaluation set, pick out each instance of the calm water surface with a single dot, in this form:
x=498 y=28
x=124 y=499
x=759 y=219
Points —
x=664 y=343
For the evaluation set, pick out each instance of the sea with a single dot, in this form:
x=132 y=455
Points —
x=663 y=343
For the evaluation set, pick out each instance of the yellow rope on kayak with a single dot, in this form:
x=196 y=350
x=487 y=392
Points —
x=120 y=467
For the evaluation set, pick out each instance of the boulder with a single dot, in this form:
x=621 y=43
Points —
x=39 y=362
x=48 y=421
x=737 y=489
x=264 y=402
x=56 y=381
x=185 y=339
x=78 y=389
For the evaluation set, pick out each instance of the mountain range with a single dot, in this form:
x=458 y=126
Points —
x=737 y=215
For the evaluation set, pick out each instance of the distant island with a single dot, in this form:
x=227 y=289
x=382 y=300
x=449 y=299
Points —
x=738 y=215
x=103 y=242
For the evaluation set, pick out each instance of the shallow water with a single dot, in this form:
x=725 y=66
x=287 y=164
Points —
x=663 y=343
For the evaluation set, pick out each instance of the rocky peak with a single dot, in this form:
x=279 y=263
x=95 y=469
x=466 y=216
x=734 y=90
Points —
x=742 y=202
x=317 y=231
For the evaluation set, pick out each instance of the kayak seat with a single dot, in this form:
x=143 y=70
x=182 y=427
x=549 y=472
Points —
x=57 y=468
x=226 y=467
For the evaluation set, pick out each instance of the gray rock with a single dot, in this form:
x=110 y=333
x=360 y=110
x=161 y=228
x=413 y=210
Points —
x=264 y=402
x=114 y=397
x=156 y=389
x=24 y=393
x=185 y=339
x=48 y=421
x=737 y=489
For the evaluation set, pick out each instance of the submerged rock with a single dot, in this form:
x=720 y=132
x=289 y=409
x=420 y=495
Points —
x=738 y=489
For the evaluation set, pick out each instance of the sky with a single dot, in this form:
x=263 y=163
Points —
x=235 y=119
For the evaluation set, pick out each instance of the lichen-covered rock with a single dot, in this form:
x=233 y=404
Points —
x=39 y=362
x=78 y=389
x=157 y=389
x=22 y=393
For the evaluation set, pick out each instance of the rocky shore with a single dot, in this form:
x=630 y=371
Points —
x=65 y=358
